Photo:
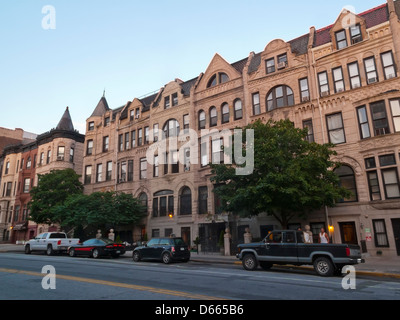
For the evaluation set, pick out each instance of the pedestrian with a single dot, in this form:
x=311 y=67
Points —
x=323 y=236
x=308 y=236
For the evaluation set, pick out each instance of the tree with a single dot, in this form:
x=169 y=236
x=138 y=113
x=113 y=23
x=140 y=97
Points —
x=52 y=190
x=100 y=209
x=291 y=175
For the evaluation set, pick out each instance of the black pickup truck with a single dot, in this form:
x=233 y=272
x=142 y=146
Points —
x=287 y=247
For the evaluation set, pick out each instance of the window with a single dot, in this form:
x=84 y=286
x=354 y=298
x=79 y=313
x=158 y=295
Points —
x=217 y=79
x=186 y=164
x=8 y=190
x=225 y=113
x=155 y=132
x=89 y=149
x=348 y=181
x=323 y=83
x=278 y=97
x=133 y=136
x=185 y=202
x=127 y=145
x=354 y=74
x=336 y=128
x=212 y=82
x=91 y=126
x=143 y=201
x=395 y=107
x=223 y=77
x=99 y=172
x=167 y=103
x=88 y=175
x=107 y=121
x=217 y=151
x=71 y=154
x=166 y=162
x=130 y=170
x=204 y=154
x=155 y=166
x=355 y=34
x=370 y=163
x=146 y=135
x=373 y=184
x=122 y=177
x=270 y=65
x=174 y=99
x=256 y=104
x=238 y=109
x=27 y=183
x=370 y=70
x=49 y=152
x=338 y=80
x=41 y=160
x=341 y=41
x=143 y=168
x=282 y=61
x=163 y=203
x=29 y=161
x=7 y=167
x=387 y=160
x=120 y=142
x=171 y=128
x=379 y=118
x=388 y=65
x=174 y=161
x=304 y=91
x=203 y=200
x=106 y=142
x=363 y=122
x=109 y=171
x=391 y=183
x=381 y=239
x=202 y=120
x=140 y=137
x=308 y=124
x=213 y=116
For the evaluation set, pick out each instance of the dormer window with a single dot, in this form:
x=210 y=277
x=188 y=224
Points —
x=270 y=65
x=217 y=79
x=355 y=34
x=282 y=61
x=341 y=40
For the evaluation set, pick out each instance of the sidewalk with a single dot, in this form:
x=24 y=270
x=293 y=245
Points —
x=373 y=266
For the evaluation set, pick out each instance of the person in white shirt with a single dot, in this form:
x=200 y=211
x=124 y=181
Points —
x=323 y=237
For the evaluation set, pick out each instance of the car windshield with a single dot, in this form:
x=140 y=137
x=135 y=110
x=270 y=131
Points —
x=179 y=242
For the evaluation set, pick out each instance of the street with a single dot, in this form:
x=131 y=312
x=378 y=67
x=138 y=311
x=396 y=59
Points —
x=21 y=278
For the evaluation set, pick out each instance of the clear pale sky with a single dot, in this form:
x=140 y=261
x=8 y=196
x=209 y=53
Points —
x=131 y=48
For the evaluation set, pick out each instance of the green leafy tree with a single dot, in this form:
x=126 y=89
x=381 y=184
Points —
x=291 y=176
x=52 y=191
x=99 y=209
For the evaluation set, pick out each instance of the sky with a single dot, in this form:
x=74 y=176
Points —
x=130 y=48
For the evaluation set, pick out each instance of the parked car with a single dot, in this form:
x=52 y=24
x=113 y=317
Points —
x=163 y=249
x=97 y=248
x=287 y=247
x=50 y=243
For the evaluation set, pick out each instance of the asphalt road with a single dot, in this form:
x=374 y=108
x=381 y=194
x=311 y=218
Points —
x=21 y=278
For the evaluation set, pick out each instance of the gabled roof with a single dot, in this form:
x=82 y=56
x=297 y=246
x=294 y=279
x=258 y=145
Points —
x=101 y=109
x=65 y=122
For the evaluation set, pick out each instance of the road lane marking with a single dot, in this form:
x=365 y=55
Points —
x=118 y=284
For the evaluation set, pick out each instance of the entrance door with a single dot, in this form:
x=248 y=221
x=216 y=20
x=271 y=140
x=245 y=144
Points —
x=185 y=234
x=348 y=232
x=396 y=232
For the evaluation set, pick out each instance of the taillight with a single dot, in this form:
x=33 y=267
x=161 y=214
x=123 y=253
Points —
x=109 y=246
x=59 y=242
x=348 y=252
x=173 y=249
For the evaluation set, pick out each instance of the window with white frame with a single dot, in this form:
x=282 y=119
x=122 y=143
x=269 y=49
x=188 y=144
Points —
x=354 y=74
x=389 y=68
x=336 y=131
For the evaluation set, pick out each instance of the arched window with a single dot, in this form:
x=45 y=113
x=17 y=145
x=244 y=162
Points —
x=225 y=113
x=213 y=116
x=202 y=119
x=238 y=109
x=185 y=202
x=171 y=128
x=347 y=180
x=278 y=97
x=163 y=203
x=143 y=200
x=217 y=78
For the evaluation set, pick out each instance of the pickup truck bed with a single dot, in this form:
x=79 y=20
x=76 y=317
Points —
x=50 y=243
x=287 y=247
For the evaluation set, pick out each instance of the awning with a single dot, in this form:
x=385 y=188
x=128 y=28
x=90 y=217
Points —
x=20 y=226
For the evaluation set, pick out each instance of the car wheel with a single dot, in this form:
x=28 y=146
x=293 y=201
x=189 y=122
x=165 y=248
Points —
x=28 y=249
x=250 y=262
x=95 y=254
x=324 y=267
x=49 y=250
x=71 y=252
x=166 y=258
x=266 y=265
x=136 y=256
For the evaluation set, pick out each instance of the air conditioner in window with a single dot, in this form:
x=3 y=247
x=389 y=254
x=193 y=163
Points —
x=324 y=93
x=372 y=80
x=391 y=76
x=357 y=85
x=340 y=90
x=137 y=117
x=356 y=39
x=305 y=99
x=281 y=65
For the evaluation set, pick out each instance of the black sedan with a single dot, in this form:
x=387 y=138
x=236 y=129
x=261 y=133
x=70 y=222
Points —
x=163 y=249
x=97 y=248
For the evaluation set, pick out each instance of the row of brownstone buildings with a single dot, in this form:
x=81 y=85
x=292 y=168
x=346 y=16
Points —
x=341 y=82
